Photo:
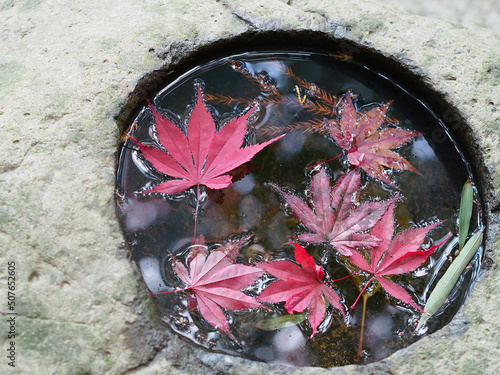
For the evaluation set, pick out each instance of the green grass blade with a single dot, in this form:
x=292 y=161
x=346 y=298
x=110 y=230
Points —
x=466 y=203
x=272 y=324
x=450 y=277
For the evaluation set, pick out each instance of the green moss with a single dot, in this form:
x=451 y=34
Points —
x=471 y=367
x=30 y=307
x=59 y=106
x=128 y=284
x=108 y=43
x=52 y=340
x=22 y=4
x=10 y=74
x=474 y=314
x=158 y=8
x=71 y=345
x=492 y=70
x=431 y=43
x=82 y=371
x=371 y=26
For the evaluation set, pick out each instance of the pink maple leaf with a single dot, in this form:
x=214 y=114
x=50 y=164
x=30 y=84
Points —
x=366 y=146
x=215 y=282
x=333 y=217
x=204 y=156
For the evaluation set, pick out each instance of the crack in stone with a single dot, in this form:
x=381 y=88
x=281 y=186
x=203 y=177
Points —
x=245 y=21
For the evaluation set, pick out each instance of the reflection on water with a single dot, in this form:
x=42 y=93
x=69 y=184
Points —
x=422 y=151
x=158 y=227
x=150 y=269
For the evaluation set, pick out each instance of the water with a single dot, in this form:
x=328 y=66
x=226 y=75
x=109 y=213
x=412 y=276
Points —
x=157 y=226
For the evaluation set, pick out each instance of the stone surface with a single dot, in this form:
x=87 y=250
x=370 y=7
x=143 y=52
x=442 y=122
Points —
x=484 y=13
x=67 y=68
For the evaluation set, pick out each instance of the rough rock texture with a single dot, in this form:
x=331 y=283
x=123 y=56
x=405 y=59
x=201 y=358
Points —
x=484 y=13
x=67 y=69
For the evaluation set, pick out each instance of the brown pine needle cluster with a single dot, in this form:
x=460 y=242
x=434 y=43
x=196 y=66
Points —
x=265 y=84
x=308 y=99
x=312 y=90
x=128 y=132
x=315 y=125
x=227 y=100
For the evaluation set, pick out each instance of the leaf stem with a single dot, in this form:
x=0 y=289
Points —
x=170 y=291
x=342 y=278
x=357 y=299
x=196 y=212
x=360 y=348
x=326 y=161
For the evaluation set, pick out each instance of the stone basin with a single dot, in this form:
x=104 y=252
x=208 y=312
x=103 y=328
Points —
x=71 y=73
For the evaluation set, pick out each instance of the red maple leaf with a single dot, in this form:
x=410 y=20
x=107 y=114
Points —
x=367 y=147
x=334 y=217
x=204 y=156
x=215 y=281
x=394 y=256
x=300 y=287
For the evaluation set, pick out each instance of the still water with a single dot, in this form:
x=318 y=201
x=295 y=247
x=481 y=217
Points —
x=294 y=93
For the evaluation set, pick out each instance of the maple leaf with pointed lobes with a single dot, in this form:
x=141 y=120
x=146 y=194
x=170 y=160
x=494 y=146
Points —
x=204 y=156
x=215 y=281
x=300 y=287
x=367 y=147
x=394 y=256
x=333 y=217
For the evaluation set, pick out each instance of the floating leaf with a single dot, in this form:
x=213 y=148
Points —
x=215 y=282
x=368 y=147
x=333 y=217
x=394 y=256
x=450 y=278
x=204 y=156
x=466 y=203
x=300 y=286
x=278 y=322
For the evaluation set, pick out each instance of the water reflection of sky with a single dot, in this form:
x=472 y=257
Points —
x=287 y=346
x=140 y=213
x=421 y=150
x=245 y=185
x=150 y=269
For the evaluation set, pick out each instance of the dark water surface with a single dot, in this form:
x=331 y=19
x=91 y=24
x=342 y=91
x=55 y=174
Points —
x=156 y=225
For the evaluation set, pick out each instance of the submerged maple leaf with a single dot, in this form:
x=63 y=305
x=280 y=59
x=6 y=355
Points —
x=204 y=156
x=367 y=147
x=215 y=282
x=334 y=217
x=300 y=287
x=394 y=256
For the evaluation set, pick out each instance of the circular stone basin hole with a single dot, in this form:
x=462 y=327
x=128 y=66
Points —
x=295 y=208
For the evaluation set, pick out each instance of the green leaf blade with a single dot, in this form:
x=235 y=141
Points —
x=447 y=282
x=466 y=204
x=278 y=322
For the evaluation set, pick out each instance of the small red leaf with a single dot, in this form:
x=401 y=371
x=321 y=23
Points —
x=300 y=287
x=307 y=262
